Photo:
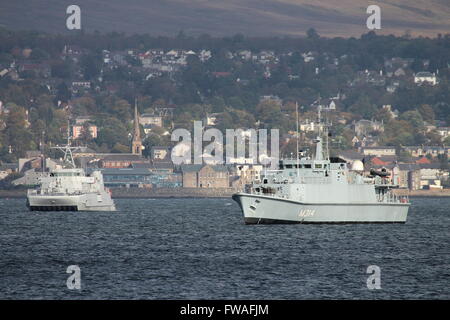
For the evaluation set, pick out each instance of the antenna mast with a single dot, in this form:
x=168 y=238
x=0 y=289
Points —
x=327 y=143
x=327 y=124
x=318 y=141
x=67 y=149
x=298 y=136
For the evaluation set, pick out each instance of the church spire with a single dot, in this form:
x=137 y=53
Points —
x=136 y=144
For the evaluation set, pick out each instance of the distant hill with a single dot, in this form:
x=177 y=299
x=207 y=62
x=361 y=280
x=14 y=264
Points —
x=227 y=17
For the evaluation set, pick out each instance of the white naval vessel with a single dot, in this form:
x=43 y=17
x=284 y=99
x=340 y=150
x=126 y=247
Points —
x=70 y=189
x=321 y=190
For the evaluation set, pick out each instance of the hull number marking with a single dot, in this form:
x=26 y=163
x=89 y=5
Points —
x=306 y=213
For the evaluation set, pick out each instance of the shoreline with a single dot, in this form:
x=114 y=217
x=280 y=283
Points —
x=163 y=193
x=143 y=193
x=423 y=193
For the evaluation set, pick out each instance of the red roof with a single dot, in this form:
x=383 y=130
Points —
x=423 y=160
x=378 y=162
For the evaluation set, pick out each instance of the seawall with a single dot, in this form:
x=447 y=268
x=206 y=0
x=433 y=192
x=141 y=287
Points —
x=172 y=192
x=147 y=193
x=205 y=193
x=423 y=193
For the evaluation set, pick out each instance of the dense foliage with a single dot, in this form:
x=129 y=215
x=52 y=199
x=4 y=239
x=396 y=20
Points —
x=38 y=117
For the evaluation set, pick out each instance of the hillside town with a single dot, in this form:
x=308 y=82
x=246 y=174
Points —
x=418 y=167
x=120 y=106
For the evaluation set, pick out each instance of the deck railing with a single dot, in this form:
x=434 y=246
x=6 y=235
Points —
x=391 y=197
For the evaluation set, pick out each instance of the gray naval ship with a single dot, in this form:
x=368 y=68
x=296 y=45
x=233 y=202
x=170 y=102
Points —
x=322 y=190
x=70 y=189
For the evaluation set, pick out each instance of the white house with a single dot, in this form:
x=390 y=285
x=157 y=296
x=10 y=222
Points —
x=379 y=151
x=211 y=119
x=364 y=127
x=425 y=77
x=308 y=57
x=444 y=132
x=205 y=55
x=307 y=126
x=150 y=119
x=271 y=98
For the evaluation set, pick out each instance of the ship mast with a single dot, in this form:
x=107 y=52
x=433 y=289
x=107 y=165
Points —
x=318 y=141
x=67 y=149
x=326 y=132
x=298 y=136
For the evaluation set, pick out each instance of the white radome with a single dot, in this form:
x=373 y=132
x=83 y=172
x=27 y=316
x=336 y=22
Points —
x=357 y=165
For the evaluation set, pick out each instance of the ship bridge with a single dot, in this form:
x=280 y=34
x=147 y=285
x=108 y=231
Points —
x=67 y=173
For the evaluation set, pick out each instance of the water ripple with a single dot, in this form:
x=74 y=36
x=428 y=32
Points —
x=200 y=249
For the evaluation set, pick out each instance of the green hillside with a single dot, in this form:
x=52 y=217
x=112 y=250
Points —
x=219 y=17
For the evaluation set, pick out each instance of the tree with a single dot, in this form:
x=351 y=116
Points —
x=447 y=141
x=398 y=133
x=364 y=107
x=121 y=109
x=16 y=132
x=120 y=148
x=44 y=107
x=434 y=138
x=236 y=102
x=414 y=118
x=63 y=70
x=235 y=119
x=196 y=110
x=91 y=66
x=15 y=94
x=218 y=104
x=38 y=130
x=383 y=115
x=184 y=120
x=152 y=140
x=312 y=34
x=63 y=93
x=404 y=156
x=39 y=54
x=112 y=132
x=83 y=106
x=269 y=113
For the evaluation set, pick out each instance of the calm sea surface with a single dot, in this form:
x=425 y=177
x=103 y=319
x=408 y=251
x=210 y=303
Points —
x=200 y=249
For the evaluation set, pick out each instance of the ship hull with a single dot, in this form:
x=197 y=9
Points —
x=84 y=202
x=271 y=210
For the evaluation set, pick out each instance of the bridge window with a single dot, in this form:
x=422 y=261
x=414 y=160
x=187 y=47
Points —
x=307 y=166
x=318 y=166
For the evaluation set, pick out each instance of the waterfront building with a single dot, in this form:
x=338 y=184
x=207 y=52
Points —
x=205 y=176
